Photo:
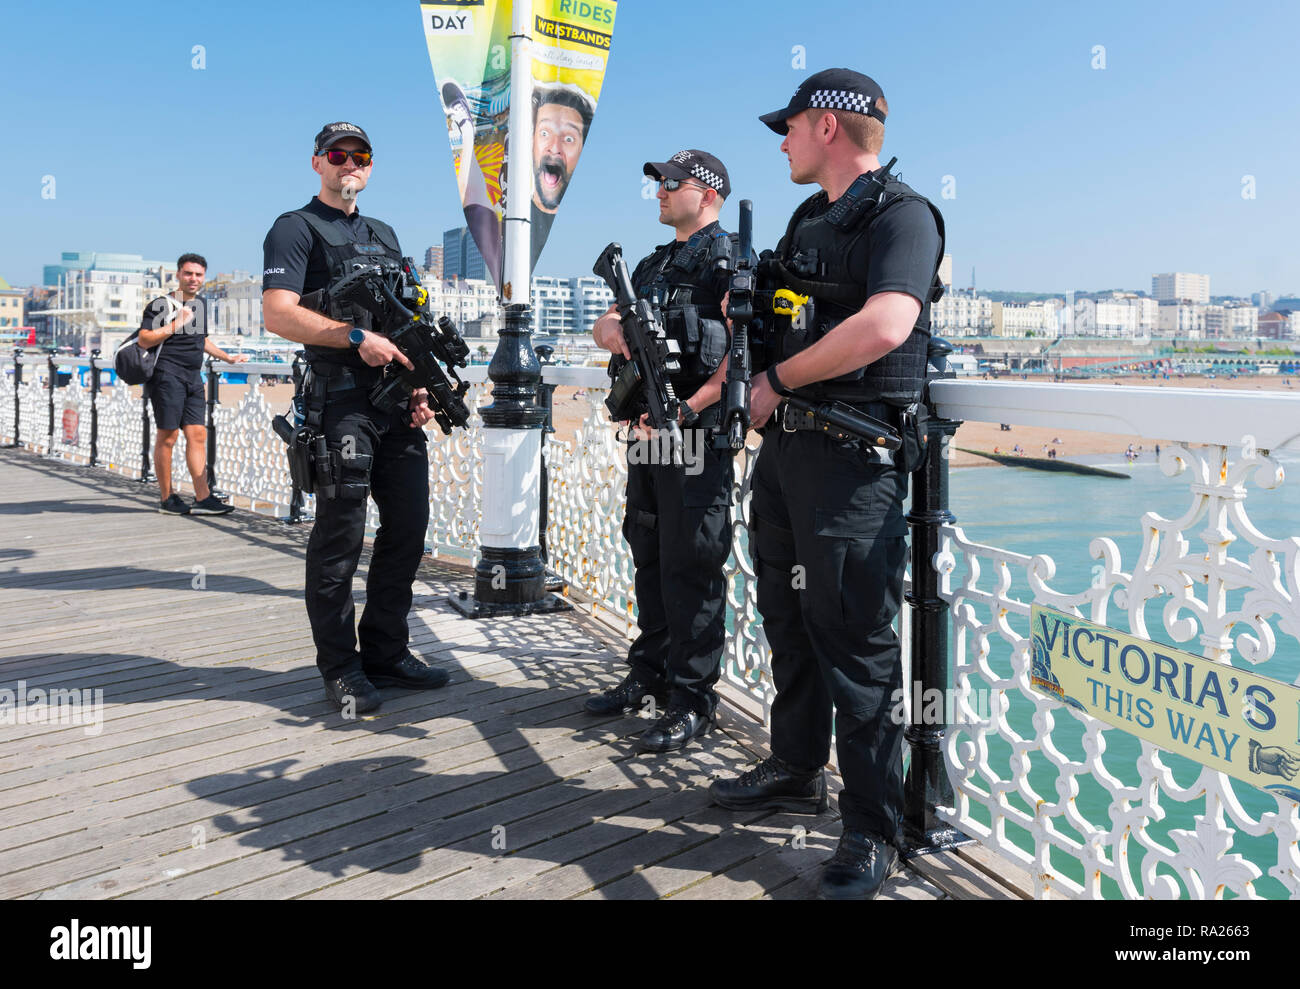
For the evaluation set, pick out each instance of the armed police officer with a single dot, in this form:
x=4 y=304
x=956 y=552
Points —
x=828 y=534
x=371 y=451
x=678 y=516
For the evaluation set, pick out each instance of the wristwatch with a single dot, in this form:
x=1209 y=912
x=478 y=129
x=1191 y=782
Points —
x=689 y=415
x=357 y=337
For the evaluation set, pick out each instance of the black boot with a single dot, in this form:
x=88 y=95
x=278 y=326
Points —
x=627 y=696
x=408 y=672
x=354 y=687
x=773 y=785
x=858 y=869
x=677 y=727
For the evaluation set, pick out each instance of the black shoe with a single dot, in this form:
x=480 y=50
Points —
x=858 y=869
x=408 y=672
x=174 y=505
x=353 y=686
x=627 y=696
x=677 y=727
x=211 y=505
x=773 y=785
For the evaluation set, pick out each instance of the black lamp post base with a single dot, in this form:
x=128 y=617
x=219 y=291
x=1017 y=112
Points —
x=472 y=607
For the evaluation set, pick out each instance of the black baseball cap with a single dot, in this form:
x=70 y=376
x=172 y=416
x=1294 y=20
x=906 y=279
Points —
x=831 y=89
x=692 y=164
x=331 y=134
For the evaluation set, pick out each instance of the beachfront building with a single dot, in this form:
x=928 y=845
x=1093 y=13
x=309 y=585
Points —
x=12 y=305
x=962 y=314
x=1122 y=315
x=1038 y=318
x=1231 y=321
x=552 y=305
x=1180 y=286
x=1182 y=319
x=568 y=305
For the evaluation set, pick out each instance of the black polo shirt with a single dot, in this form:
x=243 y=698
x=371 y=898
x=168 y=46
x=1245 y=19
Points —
x=182 y=352
x=293 y=259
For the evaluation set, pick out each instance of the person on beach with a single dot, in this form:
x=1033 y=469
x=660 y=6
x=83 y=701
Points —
x=178 y=325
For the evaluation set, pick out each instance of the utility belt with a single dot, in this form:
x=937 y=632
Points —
x=313 y=466
x=877 y=426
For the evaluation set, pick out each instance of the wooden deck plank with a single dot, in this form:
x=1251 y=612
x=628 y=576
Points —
x=214 y=718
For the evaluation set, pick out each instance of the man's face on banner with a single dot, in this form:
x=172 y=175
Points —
x=557 y=143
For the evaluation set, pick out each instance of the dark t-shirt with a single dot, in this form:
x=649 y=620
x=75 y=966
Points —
x=293 y=259
x=899 y=252
x=182 y=352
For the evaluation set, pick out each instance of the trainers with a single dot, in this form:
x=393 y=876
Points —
x=355 y=686
x=174 y=505
x=773 y=785
x=408 y=672
x=673 y=730
x=858 y=869
x=626 y=696
x=211 y=505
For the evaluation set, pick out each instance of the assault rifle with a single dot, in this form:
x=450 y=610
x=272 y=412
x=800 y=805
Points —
x=740 y=311
x=641 y=384
x=398 y=305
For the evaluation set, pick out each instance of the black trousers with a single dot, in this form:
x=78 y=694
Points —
x=678 y=526
x=385 y=454
x=830 y=551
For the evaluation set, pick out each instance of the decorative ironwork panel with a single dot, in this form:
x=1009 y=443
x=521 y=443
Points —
x=1169 y=828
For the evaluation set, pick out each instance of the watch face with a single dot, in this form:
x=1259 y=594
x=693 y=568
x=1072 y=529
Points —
x=356 y=338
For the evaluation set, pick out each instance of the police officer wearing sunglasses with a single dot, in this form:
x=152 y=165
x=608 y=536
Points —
x=374 y=453
x=678 y=517
x=830 y=510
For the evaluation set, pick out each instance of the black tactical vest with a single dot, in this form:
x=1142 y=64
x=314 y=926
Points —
x=814 y=260
x=340 y=252
x=679 y=284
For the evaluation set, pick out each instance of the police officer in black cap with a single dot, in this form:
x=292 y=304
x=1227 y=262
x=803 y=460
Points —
x=828 y=532
x=678 y=517
x=371 y=452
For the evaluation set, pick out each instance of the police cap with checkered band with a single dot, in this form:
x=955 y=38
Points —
x=831 y=89
x=691 y=164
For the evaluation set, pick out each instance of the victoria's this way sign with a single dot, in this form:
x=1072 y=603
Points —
x=1237 y=722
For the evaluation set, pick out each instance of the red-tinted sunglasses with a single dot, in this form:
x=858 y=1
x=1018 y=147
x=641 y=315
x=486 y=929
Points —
x=335 y=157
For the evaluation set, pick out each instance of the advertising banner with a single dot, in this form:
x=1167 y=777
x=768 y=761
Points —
x=469 y=48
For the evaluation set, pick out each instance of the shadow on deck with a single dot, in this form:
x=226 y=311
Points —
x=220 y=769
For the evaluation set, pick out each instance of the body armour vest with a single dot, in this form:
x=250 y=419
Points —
x=679 y=284
x=340 y=253
x=814 y=259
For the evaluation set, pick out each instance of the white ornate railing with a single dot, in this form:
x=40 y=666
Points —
x=1153 y=830
x=1213 y=579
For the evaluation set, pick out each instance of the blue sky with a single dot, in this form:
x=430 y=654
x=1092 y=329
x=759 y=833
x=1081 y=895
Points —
x=1066 y=176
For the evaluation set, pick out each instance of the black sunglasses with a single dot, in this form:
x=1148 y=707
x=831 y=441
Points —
x=672 y=185
x=335 y=157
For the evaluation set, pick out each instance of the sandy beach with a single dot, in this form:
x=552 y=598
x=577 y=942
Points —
x=1033 y=440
